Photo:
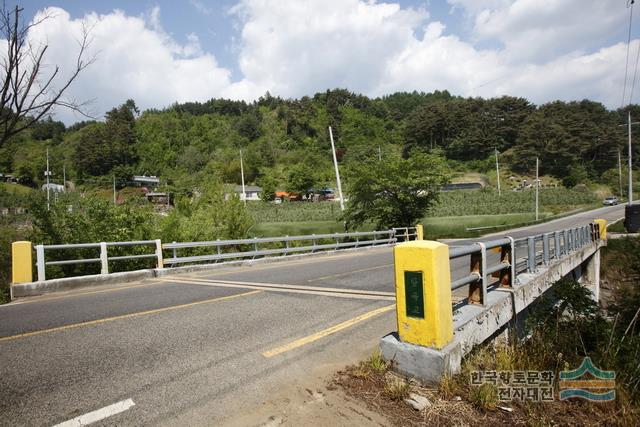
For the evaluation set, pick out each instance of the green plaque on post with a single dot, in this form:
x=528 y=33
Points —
x=413 y=292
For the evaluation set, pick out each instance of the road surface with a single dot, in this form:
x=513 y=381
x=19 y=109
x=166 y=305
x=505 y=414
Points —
x=199 y=349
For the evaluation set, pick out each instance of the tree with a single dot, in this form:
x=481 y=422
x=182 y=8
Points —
x=29 y=91
x=396 y=192
x=300 y=179
x=269 y=188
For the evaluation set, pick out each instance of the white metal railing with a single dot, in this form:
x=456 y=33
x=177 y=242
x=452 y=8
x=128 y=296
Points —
x=103 y=257
x=222 y=250
x=539 y=249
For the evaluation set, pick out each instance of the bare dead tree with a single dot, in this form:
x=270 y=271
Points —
x=28 y=91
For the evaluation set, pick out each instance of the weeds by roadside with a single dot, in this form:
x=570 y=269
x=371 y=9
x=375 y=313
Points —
x=563 y=328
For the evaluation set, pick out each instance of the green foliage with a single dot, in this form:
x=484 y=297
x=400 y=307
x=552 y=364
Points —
x=394 y=193
x=301 y=178
x=206 y=217
x=577 y=175
x=8 y=233
x=294 y=211
x=99 y=148
x=487 y=202
x=269 y=187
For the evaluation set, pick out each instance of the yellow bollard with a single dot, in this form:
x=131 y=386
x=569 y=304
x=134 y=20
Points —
x=419 y=232
x=602 y=224
x=423 y=293
x=21 y=262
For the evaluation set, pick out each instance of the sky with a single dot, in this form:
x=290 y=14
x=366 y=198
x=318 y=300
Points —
x=161 y=52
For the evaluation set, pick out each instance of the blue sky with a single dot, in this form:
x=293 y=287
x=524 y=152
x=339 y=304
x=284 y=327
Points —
x=210 y=20
x=160 y=52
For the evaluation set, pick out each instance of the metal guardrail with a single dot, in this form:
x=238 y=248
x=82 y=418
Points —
x=103 y=257
x=539 y=250
x=340 y=241
x=239 y=248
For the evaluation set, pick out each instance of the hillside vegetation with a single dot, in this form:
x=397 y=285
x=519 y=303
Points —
x=286 y=143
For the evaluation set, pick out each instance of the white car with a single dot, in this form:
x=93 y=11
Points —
x=610 y=201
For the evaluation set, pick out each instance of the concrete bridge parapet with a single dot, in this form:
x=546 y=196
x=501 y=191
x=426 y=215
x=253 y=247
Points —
x=504 y=309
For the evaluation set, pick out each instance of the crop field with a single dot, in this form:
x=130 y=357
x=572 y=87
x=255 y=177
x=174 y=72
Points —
x=487 y=202
x=451 y=204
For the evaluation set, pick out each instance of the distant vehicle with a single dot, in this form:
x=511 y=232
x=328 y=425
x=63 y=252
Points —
x=610 y=201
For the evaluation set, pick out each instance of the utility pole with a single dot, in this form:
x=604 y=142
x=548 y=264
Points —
x=630 y=170
x=335 y=164
x=244 y=194
x=48 y=174
x=64 y=178
x=114 y=189
x=537 y=187
x=379 y=154
x=630 y=190
x=620 y=172
x=498 y=172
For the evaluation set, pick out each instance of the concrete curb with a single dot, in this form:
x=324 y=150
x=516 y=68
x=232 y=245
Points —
x=68 y=283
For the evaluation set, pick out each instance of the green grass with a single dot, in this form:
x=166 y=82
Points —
x=265 y=229
x=456 y=226
x=15 y=188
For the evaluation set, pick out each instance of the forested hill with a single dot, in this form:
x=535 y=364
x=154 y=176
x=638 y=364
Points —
x=286 y=143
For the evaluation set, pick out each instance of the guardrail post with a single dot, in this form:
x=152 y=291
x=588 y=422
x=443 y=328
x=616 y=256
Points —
x=556 y=244
x=160 y=263
x=313 y=243
x=569 y=241
x=531 y=252
x=423 y=293
x=286 y=245
x=508 y=254
x=21 y=262
x=578 y=238
x=545 y=249
x=255 y=247
x=104 y=259
x=41 y=266
x=175 y=251
x=478 y=289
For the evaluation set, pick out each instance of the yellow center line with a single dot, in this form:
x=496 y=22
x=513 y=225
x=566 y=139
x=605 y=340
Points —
x=331 y=276
x=321 y=334
x=125 y=316
x=45 y=299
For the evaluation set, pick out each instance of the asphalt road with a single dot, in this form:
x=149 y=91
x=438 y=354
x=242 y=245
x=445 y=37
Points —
x=199 y=349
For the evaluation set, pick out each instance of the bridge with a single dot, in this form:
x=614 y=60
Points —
x=197 y=344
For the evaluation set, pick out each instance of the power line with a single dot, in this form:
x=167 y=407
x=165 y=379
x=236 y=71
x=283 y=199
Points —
x=626 y=68
x=635 y=71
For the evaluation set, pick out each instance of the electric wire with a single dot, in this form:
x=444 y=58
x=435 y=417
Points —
x=626 y=68
x=635 y=71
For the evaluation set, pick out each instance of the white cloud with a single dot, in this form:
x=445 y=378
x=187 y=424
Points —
x=549 y=49
x=135 y=59
x=540 y=30
x=299 y=47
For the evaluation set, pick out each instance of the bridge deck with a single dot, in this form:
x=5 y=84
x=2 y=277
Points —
x=197 y=348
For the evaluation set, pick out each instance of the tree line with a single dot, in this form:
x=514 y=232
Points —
x=286 y=145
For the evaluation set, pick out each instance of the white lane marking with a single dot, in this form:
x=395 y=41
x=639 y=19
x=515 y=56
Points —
x=98 y=415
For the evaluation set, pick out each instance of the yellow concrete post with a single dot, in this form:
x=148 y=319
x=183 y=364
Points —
x=423 y=293
x=21 y=262
x=419 y=232
x=602 y=224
